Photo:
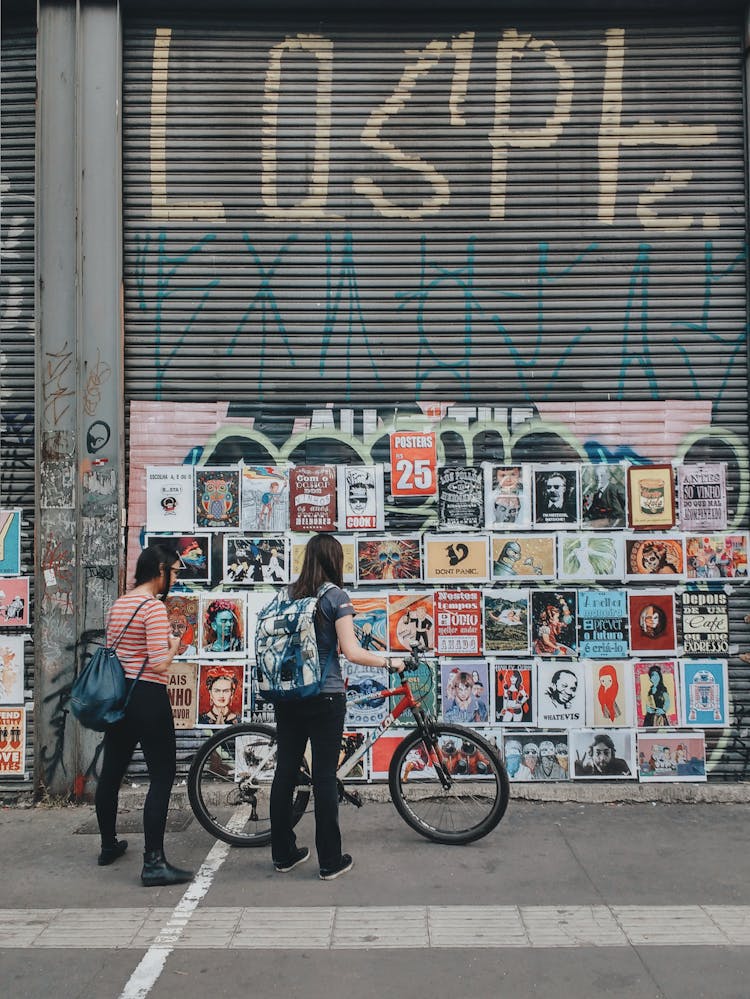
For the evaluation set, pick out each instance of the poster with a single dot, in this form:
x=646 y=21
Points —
x=411 y=622
x=14 y=602
x=705 y=622
x=603 y=496
x=222 y=625
x=382 y=750
x=12 y=742
x=183 y=694
x=506 y=621
x=389 y=559
x=655 y=688
x=10 y=542
x=610 y=703
x=702 y=496
x=507 y=497
x=671 y=756
x=11 y=669
x=456 y=558
x=255 y=600
x=194 y=551
x=299 y=543
x=561 y=694
x=602 y=624
x=265 y=498
x=704 y=688
x=460 y=498
x=515 y=690
x=716 y=556
x=312 y=498
x=527 y=556
x=361 y=498
x=261 y=711
x=217 y=499
x=413 y=463
x=369 y=683
x=458 y=622
x=587 y=556
x=221 y=688
x=350 y=743
x=606 y=755
x=536 y=756
x=651 y=500
x=553 y=623
x=556 y=496
x=169 y=498
x=652 y=622
x=182 y=611
x=654 y=557
x=371 y=622
x=260 y=559
x=465 y=691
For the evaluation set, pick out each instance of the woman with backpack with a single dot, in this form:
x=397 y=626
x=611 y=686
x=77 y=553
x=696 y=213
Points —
x=320 y=718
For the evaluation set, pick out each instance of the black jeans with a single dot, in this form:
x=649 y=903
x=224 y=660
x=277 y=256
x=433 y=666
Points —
x=321 y=720
x=148 y=720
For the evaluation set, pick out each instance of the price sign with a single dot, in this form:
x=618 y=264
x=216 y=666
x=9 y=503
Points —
x=413 y=464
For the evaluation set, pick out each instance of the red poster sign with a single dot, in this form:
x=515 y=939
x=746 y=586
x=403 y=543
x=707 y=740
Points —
x=413 y=464
x=458 y=622
x=312 y=493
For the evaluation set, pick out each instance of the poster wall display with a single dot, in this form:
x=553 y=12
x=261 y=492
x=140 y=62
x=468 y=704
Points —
x=411 y=622
x=183 y=614
x=561 y=694
x=536 y=756
x=265 y=498
x=371 y=622
x=716 y=556
x=524 y=555
x=651 y=501
x=671 y=756
x=183 y=694
x=456 y=558
x=221 y=688
x=169 y=498
x=465 y=691
x=12 y=742
x=586 y=556
x=553 y=623
x=458 y=622
x=705 y=622
x=655 y=557
x=460 y=498
x=603 y=496
x=704 y=688
x=222 y=625
x=413 y=463
x=10 y=542
x=361 y=500
x=606 y=755
x=217 y=499
x=702 y=496
x=602 y=624
x=652 y=622
x=11 y=669
x=14 y=602
x=507 y=497
x=506 y=621
x=312 y=498
x=194 y=551
x=515 y=690
x=656 y=696
x=556 y=496
x=610 y=695
x=389 y=559
x=364 y=681
x=260 y=559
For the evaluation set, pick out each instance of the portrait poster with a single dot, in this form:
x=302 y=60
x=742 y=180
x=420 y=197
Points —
x=389 y=559
x=536 y=756
x=557 y=492
x=507 y=497
x=12 y=742
x=506 y=621
x=705 y=622
x=456 y=558
x=602 y=624
x=585 y=556
x=460 y=498
x=382 y=750
x=515 y=692
x=11 y=669
x=361 y=498
x=553 y=623
x=671 y=756
x=413 y=463
x=312 y=498
x=260 y=559
x=716 y=556
x=14 y=602
x=651 y=616
x=458 y=622
x=222 y=625
x=10 y=542
x=351 y=742
x=347 y=542
x=411 y=622
x=465 y=691
x=217 y=499
x=603 y=496
x=651 y=499
x=526 y=556
x=702 y=496
x=608 y=755
x=371 y=622
x=169 y=498
x=369 y=683
x=656 y=697
x=560 y=694
x=610 y=694
x=183 y=615
x=194 y=551
x=182 y=689
x=655 y=557
x=221 y=693
x=265 y=498
x=704 y=688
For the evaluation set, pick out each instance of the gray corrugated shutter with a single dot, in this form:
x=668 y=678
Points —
x=491 y=213
x=17 y=125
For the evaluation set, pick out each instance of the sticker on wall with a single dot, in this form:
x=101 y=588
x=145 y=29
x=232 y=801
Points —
x=260 y=559
x=656 y=698
x=312 y=498
x=12 y=742
x=169 y=498
x=507 y=497
x=14 y=602
x=536 y=756
x=183 y=694
x=361 y=498
x=652 y=622
x=603 y=496
x=11 y=669
x=716 y=556
x=221 y=689
x=528 y=556
x=704 y=687
x=606 y=755
x=553 y=623
x=702 y=496
x=194 y=551
x=705 y=622
x=413 y=463
x=651 y=502
x=182 y=612
x=460 y=498
x=655 y=557
x=411 y=622
x=389 y=559
x=602 y=624
x=586 y=556
x=556 y=496
x=10 y=542
x=458 y=622
x=222 y=625
x=217 y=499
x=515 y=690
x=265 y=498
x=671 y=756
x=456 y=558
x=506 y=621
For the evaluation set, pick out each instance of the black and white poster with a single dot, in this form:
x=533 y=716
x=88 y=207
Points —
x=460 y=498
x=705 y=622
x=702 y=496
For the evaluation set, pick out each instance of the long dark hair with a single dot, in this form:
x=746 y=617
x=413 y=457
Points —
x=323 y=563
x=150 y=563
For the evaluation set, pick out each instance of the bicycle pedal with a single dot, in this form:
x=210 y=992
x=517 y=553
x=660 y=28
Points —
x=353 y=798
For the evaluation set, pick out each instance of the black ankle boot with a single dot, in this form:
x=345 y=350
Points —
x=158 y=871
x=112 y=853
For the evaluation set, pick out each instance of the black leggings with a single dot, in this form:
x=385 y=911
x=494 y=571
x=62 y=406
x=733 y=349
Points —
x=148 y=720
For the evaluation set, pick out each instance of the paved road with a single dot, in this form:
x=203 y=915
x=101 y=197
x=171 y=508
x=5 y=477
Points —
x=562 y=900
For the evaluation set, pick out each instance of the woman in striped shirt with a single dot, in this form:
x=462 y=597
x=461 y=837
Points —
x=139 y=626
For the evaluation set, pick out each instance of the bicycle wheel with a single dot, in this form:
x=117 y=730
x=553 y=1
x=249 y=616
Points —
x=229 y=785
x=449 y=786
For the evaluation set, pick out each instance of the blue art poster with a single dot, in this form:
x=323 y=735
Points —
x=704 y=692
x=602 y=624
x=10 y=542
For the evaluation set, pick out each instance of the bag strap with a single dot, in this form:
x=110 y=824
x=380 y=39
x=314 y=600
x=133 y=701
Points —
x=132 y=685
x=130 y=621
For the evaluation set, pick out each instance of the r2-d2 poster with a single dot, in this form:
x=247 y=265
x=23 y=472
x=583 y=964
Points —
x=704 y=691
x=361 y=498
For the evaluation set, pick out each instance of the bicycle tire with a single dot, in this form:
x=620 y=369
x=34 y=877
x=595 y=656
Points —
x=474 y=802
x=231 y=804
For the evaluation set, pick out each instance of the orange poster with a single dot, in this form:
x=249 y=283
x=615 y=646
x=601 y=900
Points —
x=413 y=464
